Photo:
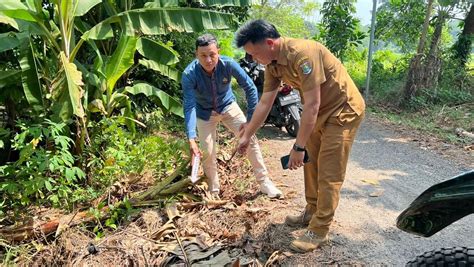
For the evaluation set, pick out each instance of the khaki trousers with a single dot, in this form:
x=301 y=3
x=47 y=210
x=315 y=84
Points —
x=232 y=118
x=328 y=149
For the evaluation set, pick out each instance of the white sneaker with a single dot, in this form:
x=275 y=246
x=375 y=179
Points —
x=267 y=187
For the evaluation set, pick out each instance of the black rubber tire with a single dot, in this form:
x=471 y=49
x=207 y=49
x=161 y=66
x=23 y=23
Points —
x=456 y=256
x=293 y=127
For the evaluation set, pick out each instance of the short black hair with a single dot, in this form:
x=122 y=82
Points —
x=205 y=40
x=255 y=31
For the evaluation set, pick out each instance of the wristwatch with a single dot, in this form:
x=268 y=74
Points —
x=298 y=148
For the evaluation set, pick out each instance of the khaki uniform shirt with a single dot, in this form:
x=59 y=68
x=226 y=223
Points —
x=304 y=64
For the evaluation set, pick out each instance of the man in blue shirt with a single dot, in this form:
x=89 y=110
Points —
x=208 y=100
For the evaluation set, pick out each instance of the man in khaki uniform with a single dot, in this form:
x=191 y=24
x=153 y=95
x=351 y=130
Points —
x=332 y=112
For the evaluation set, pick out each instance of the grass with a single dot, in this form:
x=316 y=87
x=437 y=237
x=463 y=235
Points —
x=440 y=121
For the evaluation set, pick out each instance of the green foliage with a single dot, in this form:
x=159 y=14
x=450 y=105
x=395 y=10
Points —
x=226 y=44
x=116 y=215
x=388 y=76
x=11 y=253
x=166 y=101
x=356 y=65
x=462 y=48
x=287 y=16
x=339 y=29
x=4 y=134
x=115 y=152
x=170 y=19
x=109 y=156
x=182 y=42
x=49 y=39
x=456 y=85
x=399 y=21
x=388 y=73
x=45 y=171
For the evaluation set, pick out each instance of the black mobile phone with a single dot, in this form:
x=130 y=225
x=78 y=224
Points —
x=284 y=160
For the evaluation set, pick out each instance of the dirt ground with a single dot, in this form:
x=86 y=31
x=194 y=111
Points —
x=387 y=170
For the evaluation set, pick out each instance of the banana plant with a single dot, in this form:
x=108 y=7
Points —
x=121 y=61
x=135 y=25
x=57 y=80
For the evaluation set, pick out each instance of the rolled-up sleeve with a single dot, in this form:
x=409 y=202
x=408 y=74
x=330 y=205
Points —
x=189 y=104
x=248 y=86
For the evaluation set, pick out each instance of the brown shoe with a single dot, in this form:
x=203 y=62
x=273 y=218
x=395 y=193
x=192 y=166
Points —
x=308 y=242
x=299 y=220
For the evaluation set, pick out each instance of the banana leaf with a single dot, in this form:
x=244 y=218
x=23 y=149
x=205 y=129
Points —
x=84 y=6
x=167 y=71
x=121 y=60
x=163 y=3
x=9 y=41
x=156 y=21
x=29 y=74
x=4 y=19
x=9 y=77
x=16 y=10
x=176 y=3
x=168 y=102
x=67 y=91
x=157 y=51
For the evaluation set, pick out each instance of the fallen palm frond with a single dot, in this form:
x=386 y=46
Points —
x=32 y=228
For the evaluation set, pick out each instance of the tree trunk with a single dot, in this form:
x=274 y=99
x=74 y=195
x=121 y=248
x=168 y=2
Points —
x=432 y=64
x=415 y=73
x=462 y=47
x=424 y=32
x=437 y=33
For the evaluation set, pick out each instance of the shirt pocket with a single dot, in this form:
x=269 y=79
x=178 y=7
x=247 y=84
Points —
x=222 y=84
x=225 y=81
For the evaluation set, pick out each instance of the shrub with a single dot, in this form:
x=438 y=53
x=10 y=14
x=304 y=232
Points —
x=356 y=66
x=115 y=152
x=45 y=171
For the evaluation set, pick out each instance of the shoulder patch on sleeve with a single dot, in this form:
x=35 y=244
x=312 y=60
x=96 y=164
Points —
x=306 y=67
x=301 y=60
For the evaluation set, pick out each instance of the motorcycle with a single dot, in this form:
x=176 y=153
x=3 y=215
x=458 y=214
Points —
x=435 y=209
x=286 y=110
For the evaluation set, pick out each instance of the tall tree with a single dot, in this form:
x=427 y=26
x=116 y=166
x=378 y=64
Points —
x=415 y=70
x=433 y=60
x=339 y=29
x=462 y=47
x=371 y=49
x=425 y=68
x=398 y=22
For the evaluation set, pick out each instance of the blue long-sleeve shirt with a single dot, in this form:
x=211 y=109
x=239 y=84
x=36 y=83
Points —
x=204 y=93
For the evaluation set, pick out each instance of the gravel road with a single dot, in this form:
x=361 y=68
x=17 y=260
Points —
x=386 y=165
